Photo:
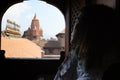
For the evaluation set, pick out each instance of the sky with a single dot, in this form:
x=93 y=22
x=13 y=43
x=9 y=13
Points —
x=50 y=18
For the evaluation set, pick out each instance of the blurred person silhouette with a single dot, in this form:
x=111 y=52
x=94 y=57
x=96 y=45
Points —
x=97 y=35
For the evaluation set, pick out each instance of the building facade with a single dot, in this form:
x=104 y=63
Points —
x=61 y=39
x=12 y=29
x=54 y=47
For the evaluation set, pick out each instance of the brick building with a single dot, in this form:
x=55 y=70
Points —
x=35 y=31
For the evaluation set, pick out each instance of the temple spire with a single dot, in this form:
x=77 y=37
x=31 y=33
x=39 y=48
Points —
x=35 y=16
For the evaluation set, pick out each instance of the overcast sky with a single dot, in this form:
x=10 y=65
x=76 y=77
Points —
x=50 y=18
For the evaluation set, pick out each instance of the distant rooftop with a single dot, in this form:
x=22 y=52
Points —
x=61 y=32
x=20 y=48
x=52 y=44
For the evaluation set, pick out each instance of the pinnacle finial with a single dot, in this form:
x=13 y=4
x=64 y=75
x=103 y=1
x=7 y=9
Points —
x=35 y=16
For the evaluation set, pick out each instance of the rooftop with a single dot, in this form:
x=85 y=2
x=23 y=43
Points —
x=20 y=48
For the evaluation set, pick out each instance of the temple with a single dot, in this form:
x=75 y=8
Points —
x=34 y=32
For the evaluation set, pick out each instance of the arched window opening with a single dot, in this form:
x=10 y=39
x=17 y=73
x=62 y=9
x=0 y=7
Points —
x=33 y=29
